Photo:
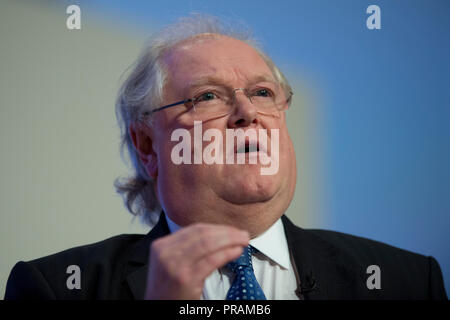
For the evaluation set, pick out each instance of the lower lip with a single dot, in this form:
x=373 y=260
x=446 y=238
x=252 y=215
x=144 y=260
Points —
x=250 y=154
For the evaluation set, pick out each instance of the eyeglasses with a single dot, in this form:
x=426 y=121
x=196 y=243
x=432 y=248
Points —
x=216 y=101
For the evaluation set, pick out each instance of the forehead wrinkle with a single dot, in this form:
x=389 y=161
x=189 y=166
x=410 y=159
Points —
x=232 y=68
x=214 y=80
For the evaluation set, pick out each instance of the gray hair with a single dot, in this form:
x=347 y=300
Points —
x=143 y=90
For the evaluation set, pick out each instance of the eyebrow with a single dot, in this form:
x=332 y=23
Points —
x=213 y=80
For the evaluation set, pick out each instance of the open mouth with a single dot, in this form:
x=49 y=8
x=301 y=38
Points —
x=248 y=147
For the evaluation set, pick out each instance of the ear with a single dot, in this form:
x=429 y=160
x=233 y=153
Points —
x=143 y=144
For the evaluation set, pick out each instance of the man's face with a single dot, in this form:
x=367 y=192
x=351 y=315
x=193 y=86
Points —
x=222 y=193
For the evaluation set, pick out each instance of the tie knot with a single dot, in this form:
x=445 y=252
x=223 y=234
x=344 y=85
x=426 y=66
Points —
x=244 y=260
x=245 y=286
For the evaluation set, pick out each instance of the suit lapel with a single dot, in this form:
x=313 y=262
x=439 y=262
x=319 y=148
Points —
x=138 y=263
x=323 y=270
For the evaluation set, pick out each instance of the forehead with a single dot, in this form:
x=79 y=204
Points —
x=220 y=57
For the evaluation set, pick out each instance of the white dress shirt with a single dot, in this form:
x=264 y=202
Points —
x=272 y=266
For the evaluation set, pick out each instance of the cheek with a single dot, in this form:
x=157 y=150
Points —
x=173 y=167
x=287 y=153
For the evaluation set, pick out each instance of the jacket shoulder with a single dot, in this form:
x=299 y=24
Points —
x=112 y=249
x=364 y=248
x=401 y=270
x=98 y=263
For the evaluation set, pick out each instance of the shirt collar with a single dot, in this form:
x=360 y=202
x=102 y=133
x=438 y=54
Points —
x=272 y=243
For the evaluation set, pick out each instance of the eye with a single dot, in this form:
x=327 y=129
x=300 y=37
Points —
x=207 y=96
x=262 y=93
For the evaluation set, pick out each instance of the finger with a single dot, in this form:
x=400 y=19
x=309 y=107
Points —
x=200 y=240
x=215 y=260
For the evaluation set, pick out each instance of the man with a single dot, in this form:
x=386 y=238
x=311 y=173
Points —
x=222 y=233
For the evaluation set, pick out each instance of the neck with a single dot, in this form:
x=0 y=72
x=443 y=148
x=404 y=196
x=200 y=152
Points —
x=255 y=218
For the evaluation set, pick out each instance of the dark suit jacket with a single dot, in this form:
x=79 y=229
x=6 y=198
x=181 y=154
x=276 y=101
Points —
x=329 y=265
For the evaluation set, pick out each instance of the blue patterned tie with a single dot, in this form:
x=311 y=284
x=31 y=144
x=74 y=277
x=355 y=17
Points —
x=245 y=286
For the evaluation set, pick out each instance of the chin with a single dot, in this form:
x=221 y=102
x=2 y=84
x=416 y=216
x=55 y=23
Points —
x=242 y=188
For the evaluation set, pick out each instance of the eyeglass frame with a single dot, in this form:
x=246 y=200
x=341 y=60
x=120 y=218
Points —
x=147 y=113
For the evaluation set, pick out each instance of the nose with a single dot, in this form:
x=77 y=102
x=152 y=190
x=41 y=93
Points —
x=245 y=112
